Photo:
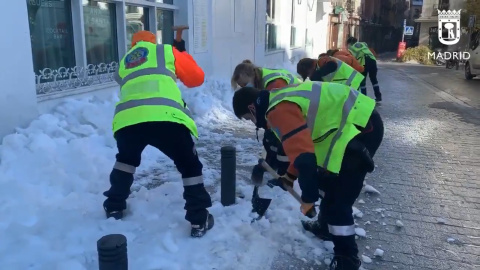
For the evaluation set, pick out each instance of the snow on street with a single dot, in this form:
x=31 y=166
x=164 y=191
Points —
x=53 y=173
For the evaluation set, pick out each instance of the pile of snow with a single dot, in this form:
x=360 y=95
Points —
x=53 y=173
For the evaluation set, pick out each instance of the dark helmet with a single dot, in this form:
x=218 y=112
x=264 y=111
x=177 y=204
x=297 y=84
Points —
x=351 y=40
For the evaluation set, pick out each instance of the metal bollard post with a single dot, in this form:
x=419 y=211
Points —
x=112 y=252
x=228 y=177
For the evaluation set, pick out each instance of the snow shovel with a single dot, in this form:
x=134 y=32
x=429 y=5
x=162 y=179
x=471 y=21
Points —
x=259 y=205
x=311 y=213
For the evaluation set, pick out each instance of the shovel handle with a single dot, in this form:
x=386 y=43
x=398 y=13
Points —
x=275 y=174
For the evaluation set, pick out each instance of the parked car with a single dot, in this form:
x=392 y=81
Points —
x=472 y=66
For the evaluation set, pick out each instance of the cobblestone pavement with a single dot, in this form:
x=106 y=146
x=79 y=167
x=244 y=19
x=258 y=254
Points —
x=428 y=177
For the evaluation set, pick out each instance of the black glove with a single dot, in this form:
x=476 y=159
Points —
x=179 y=45
x=257 y=174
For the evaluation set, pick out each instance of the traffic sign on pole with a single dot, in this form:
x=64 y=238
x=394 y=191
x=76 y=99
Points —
x=409 y=30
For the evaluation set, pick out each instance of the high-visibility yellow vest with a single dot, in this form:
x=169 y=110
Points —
x=269 y=75
x=148 y=89
x=332 y=112
x=344 y=74
x=359 y=50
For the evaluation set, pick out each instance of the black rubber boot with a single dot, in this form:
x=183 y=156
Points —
x=345 y=263
x=199 y=230
x=378 y=94
x=118 y=193
x=318 y=228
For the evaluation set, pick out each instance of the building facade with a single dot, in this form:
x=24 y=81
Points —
x=429 y=21
x=413 y=12
x=381 y=24
x=64 y=48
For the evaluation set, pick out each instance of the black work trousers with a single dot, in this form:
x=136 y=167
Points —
x=175 y=141
x=343 y=189
x=371 y=71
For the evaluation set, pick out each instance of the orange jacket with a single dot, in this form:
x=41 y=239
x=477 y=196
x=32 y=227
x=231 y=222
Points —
x=286 y=117
x=277 y=83
x=345 y=57
x=187 y=70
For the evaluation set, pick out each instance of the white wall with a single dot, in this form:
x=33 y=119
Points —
x=233 y=34
x=17 y=85
x=237 y=32
x=315 y=20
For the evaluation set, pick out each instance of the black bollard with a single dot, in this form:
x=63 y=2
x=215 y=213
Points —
x=228 y=175
x=112 y=252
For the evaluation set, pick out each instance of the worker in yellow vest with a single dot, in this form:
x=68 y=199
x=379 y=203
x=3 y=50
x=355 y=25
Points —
x=330 y=133
x=331 y=69
x=246 y=73
x=151 y=111
x=366 y=58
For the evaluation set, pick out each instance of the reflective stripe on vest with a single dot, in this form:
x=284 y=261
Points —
x=331 y=77
x=314 y=96
x=151 y=101
x=279 y=74
x=161 y=69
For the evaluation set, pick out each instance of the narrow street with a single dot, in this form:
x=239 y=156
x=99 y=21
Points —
x=427 y=174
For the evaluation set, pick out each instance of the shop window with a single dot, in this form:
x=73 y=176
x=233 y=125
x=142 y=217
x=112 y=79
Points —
x=51 y=35
x=164 y=26
x=100 y=32
x=165 y=1
x=137 y=20
x=272 y=27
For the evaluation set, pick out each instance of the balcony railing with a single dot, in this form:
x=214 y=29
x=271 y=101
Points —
x=445 y=6
x=57 y=80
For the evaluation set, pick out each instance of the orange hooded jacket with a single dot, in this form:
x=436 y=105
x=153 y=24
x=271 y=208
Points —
x=345 y=57
x=186 y=69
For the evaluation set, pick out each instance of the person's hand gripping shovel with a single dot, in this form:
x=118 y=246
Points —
x=308 y=209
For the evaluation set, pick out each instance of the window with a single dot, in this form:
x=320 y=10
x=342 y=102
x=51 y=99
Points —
x=164 y=26
x=272 y=28
x=100 y=32
x=78 y=43
x=137 y=20
x=294 y=31
x=51 y=34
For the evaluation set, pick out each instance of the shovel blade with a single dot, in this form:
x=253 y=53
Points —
x=260 y=205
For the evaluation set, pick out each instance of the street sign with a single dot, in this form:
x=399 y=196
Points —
x=471 y=21
x=409 y=30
